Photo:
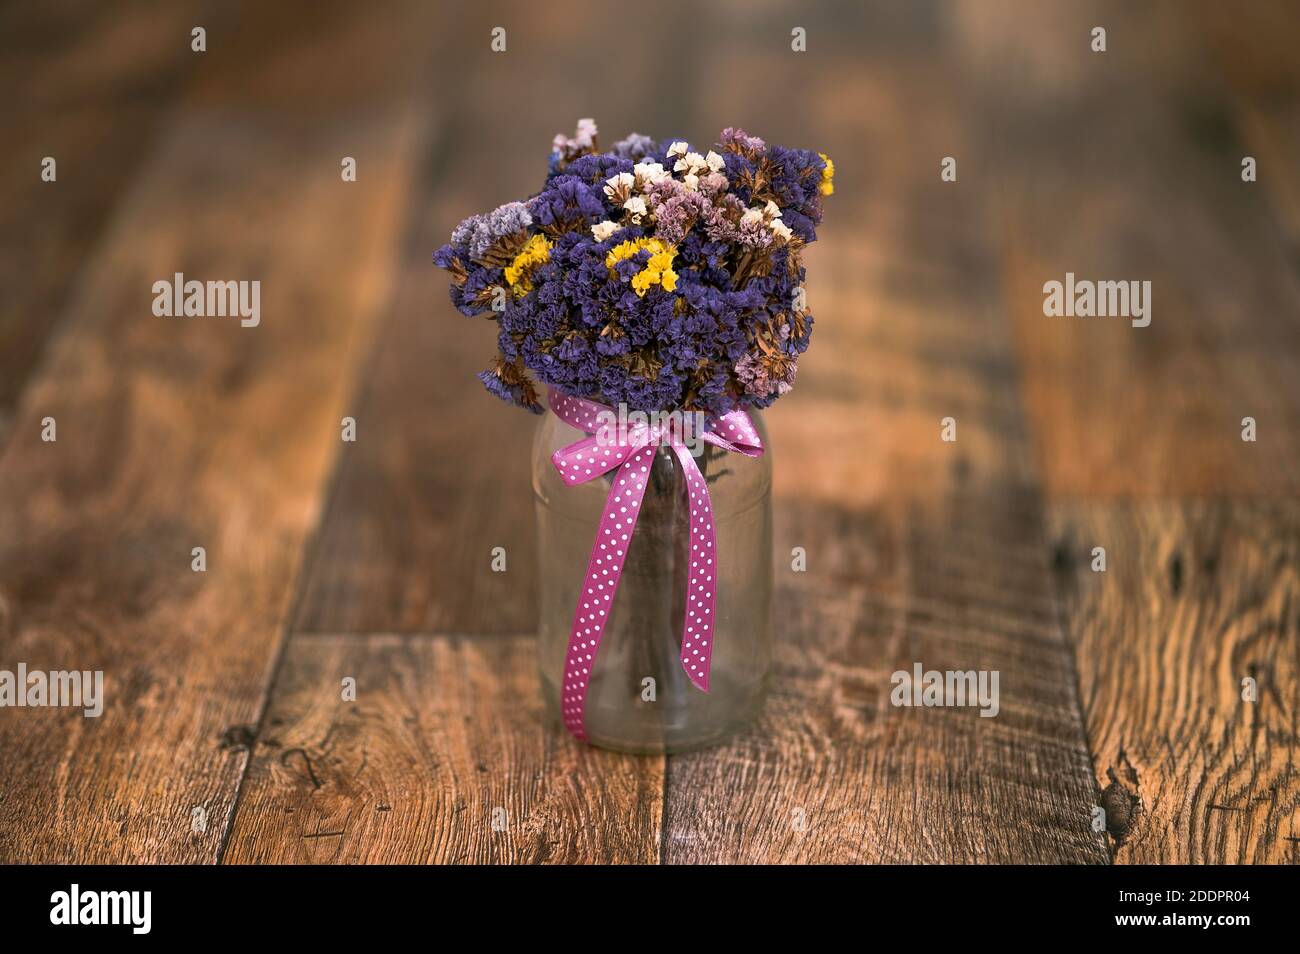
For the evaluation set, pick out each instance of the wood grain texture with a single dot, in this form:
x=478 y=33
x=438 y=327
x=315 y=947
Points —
x=445 y=739
x=918 y=550
x=96 y=115
x=175 y=434
x=1196 y=598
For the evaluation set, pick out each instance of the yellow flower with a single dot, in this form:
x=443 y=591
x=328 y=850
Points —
x=827 y=186
x=641 y=283
x=536 y=252
x=629 y=248
x=621 y=251
x=661 y=260
x=658 y=270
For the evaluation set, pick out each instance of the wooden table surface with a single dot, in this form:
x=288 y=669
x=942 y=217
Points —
x=372 y=559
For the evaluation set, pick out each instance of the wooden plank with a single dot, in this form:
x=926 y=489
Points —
x=918 y=550
x=445 y=739
x=1196 y=598
x=197 y=432
x=94 y=84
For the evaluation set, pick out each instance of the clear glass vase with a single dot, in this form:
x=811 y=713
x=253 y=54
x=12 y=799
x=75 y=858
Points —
x=639 y=699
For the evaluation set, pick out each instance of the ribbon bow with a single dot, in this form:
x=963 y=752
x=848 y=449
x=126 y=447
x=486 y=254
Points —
x=632 y=454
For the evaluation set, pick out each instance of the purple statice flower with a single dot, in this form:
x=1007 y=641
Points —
x=508 y=382
x=795 y=175
x=446 y=258
x=594 y=169
x=568 y=203
x=714 y=184
x=726 y=221
x=751 y=233
x=676 y=209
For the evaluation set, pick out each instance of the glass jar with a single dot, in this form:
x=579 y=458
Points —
x=639 y=698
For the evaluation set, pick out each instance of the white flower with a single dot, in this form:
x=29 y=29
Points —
x=619 y=185
x=781 y=230
x=693 y=163
x=603 y=230
x=715 y=161
x=771 y=210
x=637 y=207
x=752 y=217
x=678 y=149
x=649 y=173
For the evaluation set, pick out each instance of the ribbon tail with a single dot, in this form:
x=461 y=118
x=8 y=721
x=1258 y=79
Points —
x=697 y=628
x=600 y=584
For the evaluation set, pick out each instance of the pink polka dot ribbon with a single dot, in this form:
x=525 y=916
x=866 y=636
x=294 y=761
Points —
x=632 y=455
